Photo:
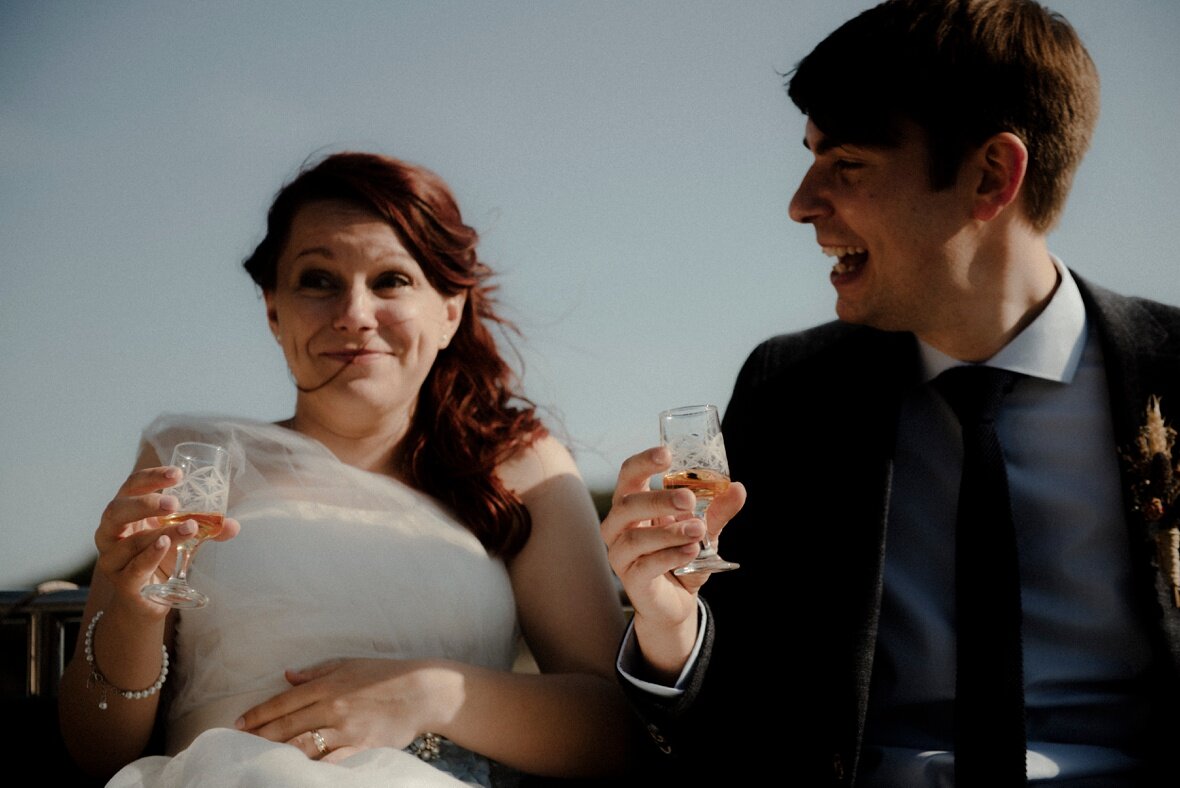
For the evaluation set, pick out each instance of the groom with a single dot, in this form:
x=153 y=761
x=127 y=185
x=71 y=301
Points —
x=945 y=135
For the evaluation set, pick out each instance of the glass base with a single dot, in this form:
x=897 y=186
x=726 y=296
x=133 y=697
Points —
x=708 y=563
x=174 y=595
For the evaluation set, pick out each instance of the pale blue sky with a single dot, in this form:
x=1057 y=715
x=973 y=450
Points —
x=628 y=164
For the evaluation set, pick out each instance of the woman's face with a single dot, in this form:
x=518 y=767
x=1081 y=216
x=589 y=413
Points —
x=354 y=313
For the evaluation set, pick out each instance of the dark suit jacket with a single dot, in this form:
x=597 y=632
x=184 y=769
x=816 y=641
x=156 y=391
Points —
x=810 y=432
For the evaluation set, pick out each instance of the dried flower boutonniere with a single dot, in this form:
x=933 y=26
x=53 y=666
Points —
x=1157 y=489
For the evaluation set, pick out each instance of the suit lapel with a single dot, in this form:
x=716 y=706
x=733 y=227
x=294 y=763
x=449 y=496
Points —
x=1142 y=360
x=884 y=374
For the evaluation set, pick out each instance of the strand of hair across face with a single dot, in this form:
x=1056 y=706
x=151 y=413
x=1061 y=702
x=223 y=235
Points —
x=333 y=376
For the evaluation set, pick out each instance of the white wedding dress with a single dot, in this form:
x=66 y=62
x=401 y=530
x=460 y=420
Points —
x=331 y=562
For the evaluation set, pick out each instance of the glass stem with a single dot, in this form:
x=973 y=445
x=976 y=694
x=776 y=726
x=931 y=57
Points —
x=698 y=511
x=184 y=556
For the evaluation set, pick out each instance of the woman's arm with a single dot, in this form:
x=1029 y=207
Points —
x=126 y=641
x=573 y=716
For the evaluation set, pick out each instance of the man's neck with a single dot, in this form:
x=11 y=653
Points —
x=1005 y=288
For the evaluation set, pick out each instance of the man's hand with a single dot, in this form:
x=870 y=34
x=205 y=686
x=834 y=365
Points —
x=648 y=533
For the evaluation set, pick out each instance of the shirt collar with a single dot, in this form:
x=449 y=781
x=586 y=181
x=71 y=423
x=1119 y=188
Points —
x=1049 y=347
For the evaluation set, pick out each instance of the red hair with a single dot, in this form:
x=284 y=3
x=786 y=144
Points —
x=469 y=417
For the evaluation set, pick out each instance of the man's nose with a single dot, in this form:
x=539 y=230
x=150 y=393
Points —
x=808 y=203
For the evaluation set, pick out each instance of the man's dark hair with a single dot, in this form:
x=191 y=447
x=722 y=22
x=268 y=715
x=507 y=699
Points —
x=962 y=70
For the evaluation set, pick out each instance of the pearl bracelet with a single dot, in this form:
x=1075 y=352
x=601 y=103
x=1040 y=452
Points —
x=96 y=677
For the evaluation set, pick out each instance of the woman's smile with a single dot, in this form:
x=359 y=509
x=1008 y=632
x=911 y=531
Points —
x=356 y=356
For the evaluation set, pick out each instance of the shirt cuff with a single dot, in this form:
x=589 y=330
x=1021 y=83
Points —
x=630 y=661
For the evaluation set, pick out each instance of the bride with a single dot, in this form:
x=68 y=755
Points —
x=385 y=546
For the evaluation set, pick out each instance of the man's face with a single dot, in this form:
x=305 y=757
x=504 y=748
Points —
x=901 y=248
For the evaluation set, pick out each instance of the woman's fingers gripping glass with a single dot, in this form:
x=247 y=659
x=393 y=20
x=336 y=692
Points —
x=132 y=546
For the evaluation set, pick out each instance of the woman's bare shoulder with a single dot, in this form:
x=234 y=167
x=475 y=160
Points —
x=543 y=459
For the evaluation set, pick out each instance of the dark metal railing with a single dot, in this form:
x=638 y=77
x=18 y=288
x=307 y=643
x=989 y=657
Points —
x=38 y=630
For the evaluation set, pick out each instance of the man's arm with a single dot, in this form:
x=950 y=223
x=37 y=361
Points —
x=649 y=533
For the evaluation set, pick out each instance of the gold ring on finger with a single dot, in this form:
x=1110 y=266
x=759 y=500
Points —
x=320 y=744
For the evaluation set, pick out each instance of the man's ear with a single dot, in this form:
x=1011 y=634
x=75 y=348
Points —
x=1000 y=165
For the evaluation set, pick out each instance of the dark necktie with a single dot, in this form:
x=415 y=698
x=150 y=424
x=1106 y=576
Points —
x=989 y=682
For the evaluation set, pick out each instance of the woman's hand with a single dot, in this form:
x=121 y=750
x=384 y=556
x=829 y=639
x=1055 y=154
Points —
x=648 y=533
x=358 y=704
x=133 y=548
